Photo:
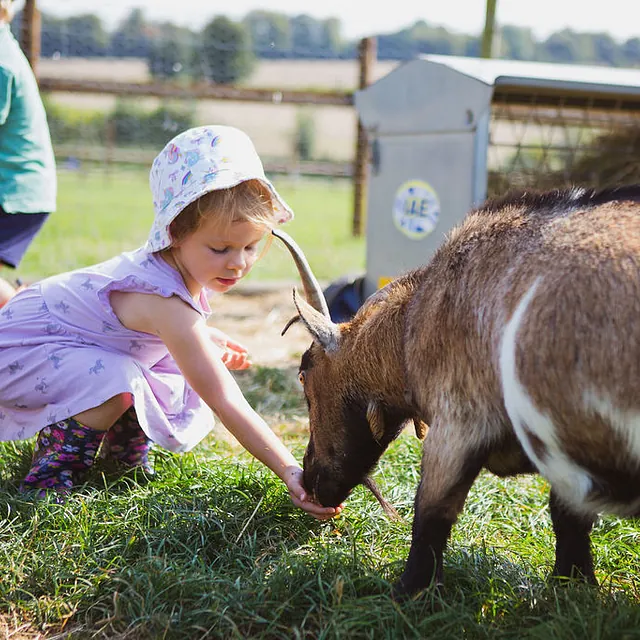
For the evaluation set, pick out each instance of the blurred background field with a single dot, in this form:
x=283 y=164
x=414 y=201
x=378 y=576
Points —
x=101 y=214
x=273 y=127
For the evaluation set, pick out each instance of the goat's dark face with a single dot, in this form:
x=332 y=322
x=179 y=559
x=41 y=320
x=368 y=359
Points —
x=349 y=429
x=342 y=447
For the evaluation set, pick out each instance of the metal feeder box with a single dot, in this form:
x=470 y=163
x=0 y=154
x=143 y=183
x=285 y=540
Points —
x=438 y=125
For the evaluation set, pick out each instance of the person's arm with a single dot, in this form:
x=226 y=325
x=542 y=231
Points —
x=188 y=339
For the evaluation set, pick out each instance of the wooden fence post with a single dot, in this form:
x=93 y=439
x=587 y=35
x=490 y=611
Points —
x=30 y=30
x=367 y=51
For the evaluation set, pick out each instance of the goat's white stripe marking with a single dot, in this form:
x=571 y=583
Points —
x=625 y=423
x=571 y=481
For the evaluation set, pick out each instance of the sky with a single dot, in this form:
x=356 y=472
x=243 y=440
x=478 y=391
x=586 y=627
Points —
x=360 y=19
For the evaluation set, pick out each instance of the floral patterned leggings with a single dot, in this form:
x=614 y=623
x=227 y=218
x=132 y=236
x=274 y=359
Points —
x=66 y=449
x=127 y=443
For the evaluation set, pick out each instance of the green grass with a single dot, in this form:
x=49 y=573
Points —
x=212 y=548
x=102 y=214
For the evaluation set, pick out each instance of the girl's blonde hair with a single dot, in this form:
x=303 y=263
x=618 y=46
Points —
x=7 y=10
x=249 y=201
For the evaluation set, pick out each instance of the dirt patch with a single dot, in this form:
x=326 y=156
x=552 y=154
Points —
x=255 y=317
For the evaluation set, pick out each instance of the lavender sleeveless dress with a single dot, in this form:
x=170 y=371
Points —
x=63 y=351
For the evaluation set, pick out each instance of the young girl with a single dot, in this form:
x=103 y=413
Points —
x=120 y=352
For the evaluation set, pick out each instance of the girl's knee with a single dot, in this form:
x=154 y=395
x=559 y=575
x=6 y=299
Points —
x=119 y=403
x=105 y=415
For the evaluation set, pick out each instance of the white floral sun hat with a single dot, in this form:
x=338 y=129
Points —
x=196 y=162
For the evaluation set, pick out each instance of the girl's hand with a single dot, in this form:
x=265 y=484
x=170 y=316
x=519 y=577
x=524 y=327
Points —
x=299 y=497
x=235 y=360
x=234 y=355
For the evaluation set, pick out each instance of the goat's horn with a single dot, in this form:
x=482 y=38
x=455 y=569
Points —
x=312 y=290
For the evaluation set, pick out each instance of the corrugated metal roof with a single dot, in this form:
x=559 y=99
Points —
x=544 y=75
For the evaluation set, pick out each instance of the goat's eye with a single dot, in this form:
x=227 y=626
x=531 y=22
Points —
x=301 y=378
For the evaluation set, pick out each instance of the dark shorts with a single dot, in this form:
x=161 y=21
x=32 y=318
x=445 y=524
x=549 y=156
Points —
x=17 y=231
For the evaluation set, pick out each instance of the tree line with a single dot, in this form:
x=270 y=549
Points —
x=225 y=50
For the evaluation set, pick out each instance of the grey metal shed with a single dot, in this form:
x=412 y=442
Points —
x=438 y=124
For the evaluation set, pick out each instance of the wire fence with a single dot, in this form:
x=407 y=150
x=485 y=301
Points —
x=568 y=141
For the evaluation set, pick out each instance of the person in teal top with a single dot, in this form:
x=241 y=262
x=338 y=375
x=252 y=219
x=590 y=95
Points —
x=27 y=166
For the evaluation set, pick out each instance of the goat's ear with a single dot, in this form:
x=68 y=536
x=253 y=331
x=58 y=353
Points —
x=291 y=322
x=421 y=428
x=319 y=326
x=375 y=419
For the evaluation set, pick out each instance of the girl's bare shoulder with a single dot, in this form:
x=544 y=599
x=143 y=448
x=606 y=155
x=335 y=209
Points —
x=148 y=312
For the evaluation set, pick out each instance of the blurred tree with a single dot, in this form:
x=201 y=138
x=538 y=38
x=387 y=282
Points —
x=81 y=36
x=330 y=40
x=472 y=46
x=171 y=51
x=226 y=51
x=430 y=39
x=396 y=46
x=54 y=39
x=605 y=49
x=313 y=38
x=86 y=37
x=305 y=33
x=516 y=43
x=270 y=33
x=631 y=52
x=422 y=37
x=561 y=47
x=130 y=38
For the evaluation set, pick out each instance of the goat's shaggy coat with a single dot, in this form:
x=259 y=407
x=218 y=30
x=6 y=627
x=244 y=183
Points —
x=519 y=345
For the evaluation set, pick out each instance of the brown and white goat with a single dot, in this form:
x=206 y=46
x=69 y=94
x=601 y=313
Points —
x=518 y=344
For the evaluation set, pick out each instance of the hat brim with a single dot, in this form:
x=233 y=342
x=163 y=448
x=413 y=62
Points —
x=283 y=213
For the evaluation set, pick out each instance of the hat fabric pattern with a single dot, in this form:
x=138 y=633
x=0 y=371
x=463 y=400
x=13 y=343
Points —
x=198 y=161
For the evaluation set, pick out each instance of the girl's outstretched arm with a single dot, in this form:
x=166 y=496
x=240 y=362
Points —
x=187 y=337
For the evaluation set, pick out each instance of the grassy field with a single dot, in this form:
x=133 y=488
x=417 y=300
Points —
x=99 y=215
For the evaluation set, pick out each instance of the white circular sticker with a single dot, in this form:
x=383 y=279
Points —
x=416 y=209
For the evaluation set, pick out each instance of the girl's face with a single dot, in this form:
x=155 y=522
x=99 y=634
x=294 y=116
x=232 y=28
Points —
x=217 y=258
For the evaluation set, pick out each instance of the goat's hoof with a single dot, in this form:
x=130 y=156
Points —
x=561 y=579
x=399 y=592
x=402 y=592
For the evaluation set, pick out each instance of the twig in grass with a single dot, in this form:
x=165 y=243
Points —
x=246 y=524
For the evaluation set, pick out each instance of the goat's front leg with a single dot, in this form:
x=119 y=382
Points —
x=573 y=549
x=450 y=464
